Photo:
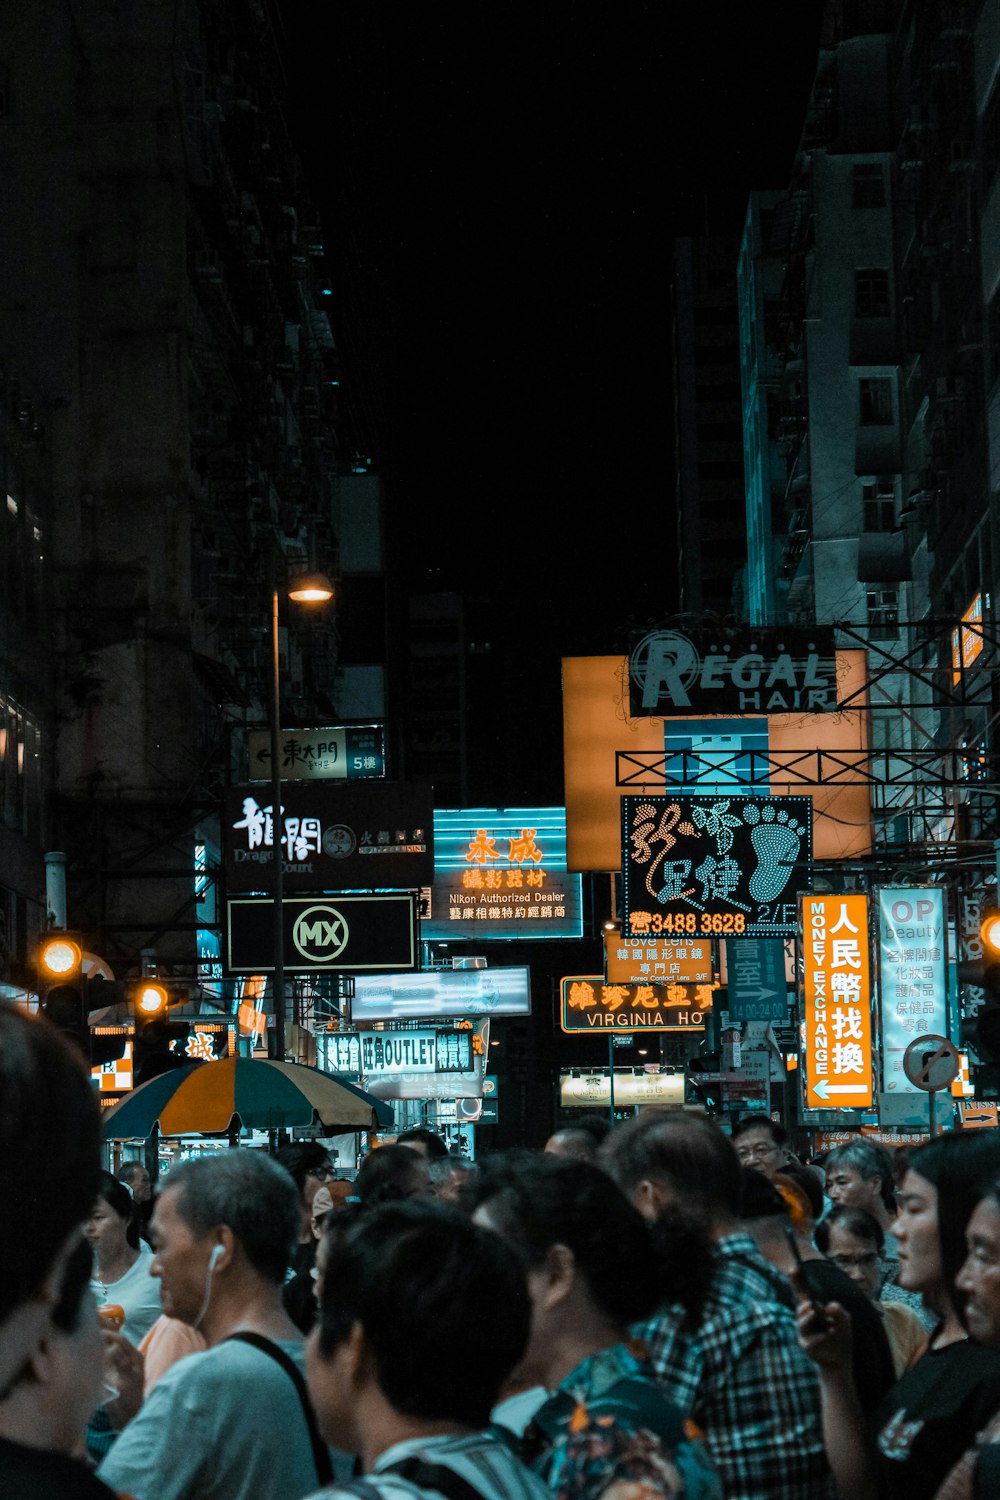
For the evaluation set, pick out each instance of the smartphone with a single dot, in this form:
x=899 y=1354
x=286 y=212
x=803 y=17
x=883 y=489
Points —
x=798 y=1279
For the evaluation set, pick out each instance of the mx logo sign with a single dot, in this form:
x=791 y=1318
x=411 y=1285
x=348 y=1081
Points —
x=342 y=933
x=320 y=934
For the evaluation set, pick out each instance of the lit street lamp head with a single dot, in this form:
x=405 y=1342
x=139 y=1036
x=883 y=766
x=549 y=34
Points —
x=310 y=588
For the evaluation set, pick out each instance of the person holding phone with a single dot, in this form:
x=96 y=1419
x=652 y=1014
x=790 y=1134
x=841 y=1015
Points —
x=933 y=1414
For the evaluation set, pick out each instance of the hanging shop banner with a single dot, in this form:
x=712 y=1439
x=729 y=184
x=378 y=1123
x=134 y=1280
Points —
x=337 y=934
x=588 y=1004
x=714 y=866
x=731 y=670
x=432 y=1064
x=443 y=993
x=640 y=961
x=501 y=873
x=346 y=752
x=585 y=1090
x=836 y=1001
x=756 y=980
x=335 y=837
x=912 y=974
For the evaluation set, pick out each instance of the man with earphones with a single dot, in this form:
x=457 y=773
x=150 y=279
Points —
x=233 y=1423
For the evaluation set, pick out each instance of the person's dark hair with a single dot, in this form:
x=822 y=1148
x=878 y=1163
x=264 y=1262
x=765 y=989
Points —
x=578 y=1144
x=118 y=1198
x=687 y=1153
x=390 y=1175
x=806 y=1179
x=419 y=1278
x=759 y=1198
x=249 y=1193
x=302 y=1159
x=856 y=1221
x=595 y=1125
x=961 y=1166
x=421 y=1136
x=778 y=1133
x=537 y=1201
x=75 y=1281
x=48 y=1112
x=868 y=1160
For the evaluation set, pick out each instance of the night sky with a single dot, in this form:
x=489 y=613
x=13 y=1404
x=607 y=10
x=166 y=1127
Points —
x=500 y=187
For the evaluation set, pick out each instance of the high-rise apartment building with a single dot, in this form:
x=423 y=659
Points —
x=711 y=508
x=170 y=435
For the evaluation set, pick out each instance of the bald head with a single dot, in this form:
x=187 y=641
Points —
x=579 y=1145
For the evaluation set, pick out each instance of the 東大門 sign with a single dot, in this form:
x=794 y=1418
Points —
x=714 y=866
x=335 y=837
x=722 y=671
x=344 y=752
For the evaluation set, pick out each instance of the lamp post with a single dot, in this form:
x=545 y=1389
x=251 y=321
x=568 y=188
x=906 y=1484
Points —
x=309 y=588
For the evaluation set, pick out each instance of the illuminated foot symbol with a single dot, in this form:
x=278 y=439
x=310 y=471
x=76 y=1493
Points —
x=776 y=840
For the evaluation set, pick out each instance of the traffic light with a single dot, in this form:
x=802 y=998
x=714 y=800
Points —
x=151 y=1001
x=982 y=1031
x=61 y=985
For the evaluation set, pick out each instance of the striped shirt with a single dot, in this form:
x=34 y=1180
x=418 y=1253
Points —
x=481 y=1460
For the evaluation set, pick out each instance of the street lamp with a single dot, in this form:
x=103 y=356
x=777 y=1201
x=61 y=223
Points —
x=306 y=588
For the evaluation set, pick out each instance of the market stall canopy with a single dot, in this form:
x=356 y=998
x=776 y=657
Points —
x=204 y=1097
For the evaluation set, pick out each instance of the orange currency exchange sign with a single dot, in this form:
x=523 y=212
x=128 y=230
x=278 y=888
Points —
x=588 y=1004
x=836 y=992
x=637 y=961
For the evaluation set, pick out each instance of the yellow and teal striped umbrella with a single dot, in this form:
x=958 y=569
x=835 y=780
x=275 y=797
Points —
x=202 y=1098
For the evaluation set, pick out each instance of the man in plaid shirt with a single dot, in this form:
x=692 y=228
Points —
x=736 y=1368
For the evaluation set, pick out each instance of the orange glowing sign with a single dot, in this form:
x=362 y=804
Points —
x=967 y=640
x=836 y=992
x=637 y=961
x=597 y=726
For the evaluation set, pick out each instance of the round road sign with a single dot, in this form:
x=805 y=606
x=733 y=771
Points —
x=931 y=1063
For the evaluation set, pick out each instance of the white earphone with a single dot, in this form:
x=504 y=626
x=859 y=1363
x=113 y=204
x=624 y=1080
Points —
x=213 y=1259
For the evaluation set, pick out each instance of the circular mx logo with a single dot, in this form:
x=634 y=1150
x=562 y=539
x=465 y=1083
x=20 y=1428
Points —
x=320 y=934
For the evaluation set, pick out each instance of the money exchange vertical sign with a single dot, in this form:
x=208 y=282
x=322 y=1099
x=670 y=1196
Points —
x=912 y=974
x=836 y=993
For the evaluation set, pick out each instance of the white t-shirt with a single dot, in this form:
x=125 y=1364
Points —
x=224 y=1425
x=137 y=1293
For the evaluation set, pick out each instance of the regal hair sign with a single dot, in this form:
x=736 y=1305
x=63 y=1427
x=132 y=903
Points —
x=749 y=672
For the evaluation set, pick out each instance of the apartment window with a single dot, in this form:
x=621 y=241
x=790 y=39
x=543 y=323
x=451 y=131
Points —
x=875 y=402
x=879 y=503
x=883 y=614
x=871 y=292
x=868 y=185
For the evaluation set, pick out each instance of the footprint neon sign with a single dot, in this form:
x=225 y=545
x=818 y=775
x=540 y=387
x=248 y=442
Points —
x=714 y=866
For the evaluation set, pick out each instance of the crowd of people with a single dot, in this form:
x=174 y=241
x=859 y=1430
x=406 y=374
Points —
x=655 y=1309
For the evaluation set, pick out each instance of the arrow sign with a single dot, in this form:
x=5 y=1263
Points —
x=823 y=1089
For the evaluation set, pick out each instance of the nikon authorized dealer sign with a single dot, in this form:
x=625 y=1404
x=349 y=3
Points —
x=724 y=671
x=334 y=934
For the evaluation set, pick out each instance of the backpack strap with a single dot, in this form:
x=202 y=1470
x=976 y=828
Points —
x=321 y=1455
x=431 y=1476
